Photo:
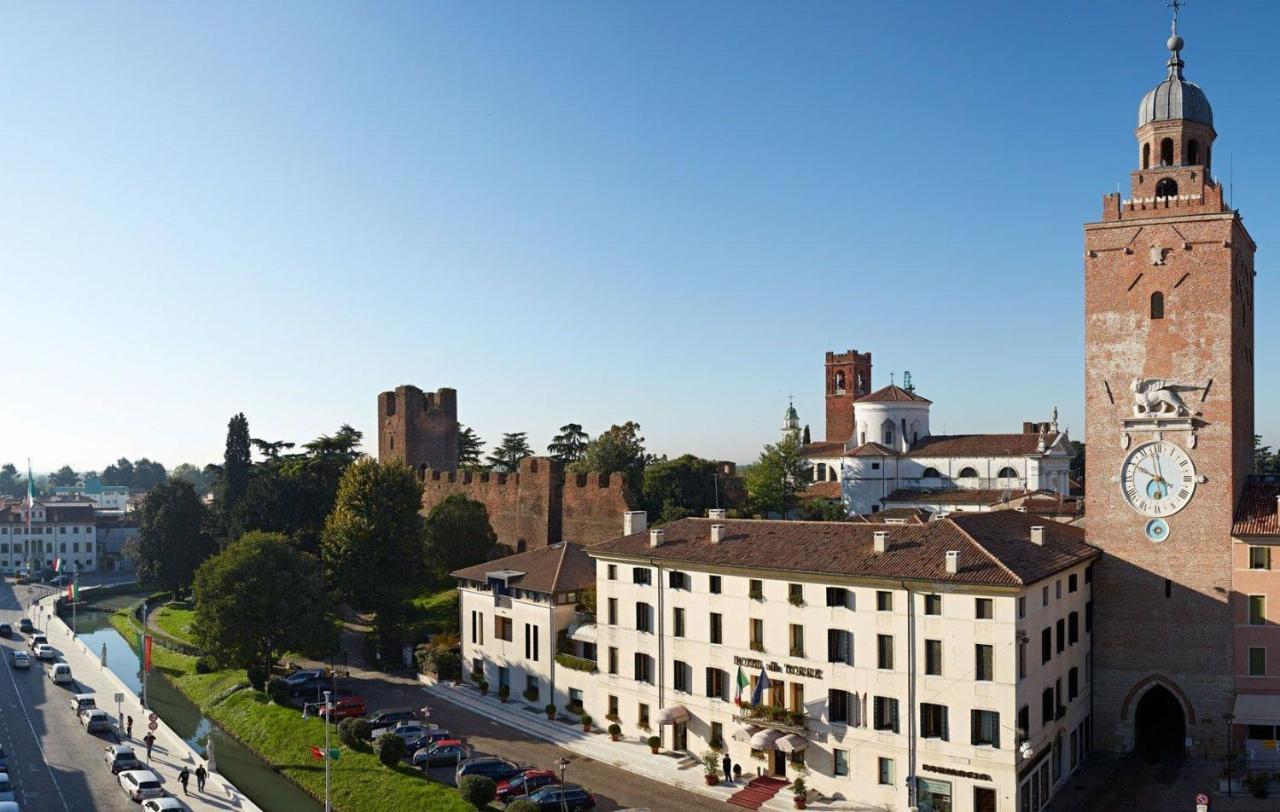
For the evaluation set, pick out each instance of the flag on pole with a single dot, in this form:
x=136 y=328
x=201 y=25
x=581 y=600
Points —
x=762 y=685
x=73 y=591
x=743 y=682
x=146 y=653
x=57 y=565
x=319 y=753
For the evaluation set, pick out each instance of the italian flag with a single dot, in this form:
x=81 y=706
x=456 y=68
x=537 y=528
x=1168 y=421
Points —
x=743 y=682
x=73 y=591
x=57 y=565
x=320 y=754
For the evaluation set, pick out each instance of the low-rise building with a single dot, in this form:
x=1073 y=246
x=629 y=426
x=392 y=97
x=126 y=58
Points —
x=65 y=530
x=108 y=498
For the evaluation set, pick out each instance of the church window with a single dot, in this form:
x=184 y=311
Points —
x=1146 y=156
x=839 y=383
x=968 y=473
x=822 y=472
x=1166 y=152
x=1193 y=153
x=931 y=473
x=1157 y=305
x=886 y=432
x=1007 y=473
x=1167 y=187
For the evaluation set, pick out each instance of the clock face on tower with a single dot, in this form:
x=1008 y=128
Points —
x=1158 y=479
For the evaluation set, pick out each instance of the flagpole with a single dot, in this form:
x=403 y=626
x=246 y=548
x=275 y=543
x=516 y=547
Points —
x=327 y=755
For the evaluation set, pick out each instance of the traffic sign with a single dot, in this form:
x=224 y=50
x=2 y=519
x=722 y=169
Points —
x=1202 y=798
x=152 y=725
x=119 y=698
x=152 y=716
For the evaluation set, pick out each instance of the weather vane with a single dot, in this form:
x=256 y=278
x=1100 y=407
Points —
x=1176 y=5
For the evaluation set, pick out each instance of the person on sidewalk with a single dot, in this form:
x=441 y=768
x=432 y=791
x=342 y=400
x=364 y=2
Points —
x=128 y=727
x=201 y=774
x=183 y=778
x=149 y=740
x=728 y=769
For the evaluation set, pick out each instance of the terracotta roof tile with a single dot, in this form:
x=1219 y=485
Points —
x=53 y=512
x=908 y=514
x=823 y=450
x=824 y=490
x=892 y=393
x=976 y=445
x=561 y=567
x=873 y=450
x=1256 y=513
x=958 y=496
x=995 y=548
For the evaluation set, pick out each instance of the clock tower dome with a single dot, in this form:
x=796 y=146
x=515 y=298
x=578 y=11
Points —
x=1169 y=418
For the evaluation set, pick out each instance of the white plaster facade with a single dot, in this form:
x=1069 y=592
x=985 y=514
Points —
x=57 y=530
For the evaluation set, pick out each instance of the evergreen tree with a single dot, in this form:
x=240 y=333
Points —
x=774 y=480
x=10 y=481
x=64 y=477
x=514 y=447
x=470 y=447
x=171 y=541
x=236 y=464
x=620 y=450
x=806 y=434
x=570 y=444
x=458 y=535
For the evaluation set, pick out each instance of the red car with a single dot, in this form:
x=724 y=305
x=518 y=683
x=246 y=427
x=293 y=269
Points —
x=348 y=707
x=525 y=783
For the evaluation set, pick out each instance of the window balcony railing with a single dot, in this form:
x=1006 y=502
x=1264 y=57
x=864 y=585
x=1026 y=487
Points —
x=774 y=717
x=502 y=601
x=757 y=646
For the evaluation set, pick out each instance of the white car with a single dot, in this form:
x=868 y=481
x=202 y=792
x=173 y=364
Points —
x=20 y=659
x=44 y=651
x=6 y=788
x=60 y=672
x=121 y=757
x=140 y=785
x=10 y=806
x=166 y=804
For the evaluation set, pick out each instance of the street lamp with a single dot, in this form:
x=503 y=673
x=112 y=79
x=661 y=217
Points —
x=1229 y=718
x=564 y=805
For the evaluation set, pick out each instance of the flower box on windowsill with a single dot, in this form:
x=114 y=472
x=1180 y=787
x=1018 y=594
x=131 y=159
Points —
x=757 y=646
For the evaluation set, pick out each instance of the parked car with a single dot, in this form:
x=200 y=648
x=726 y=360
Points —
x=444 y=753
x=44 y=651
x=140 y=784
x=427 y=739
x=10 y=806
x=6 y=788
x=569 y=796
x=499 y=769
x=347 y=708
x=405 y=730
x=95 y=721
x=59 y=672
x=310 y=691
x=525 y=783
x=36 y=639
x=165 y=804
x=390 y=716
x=6 y=630
x=20 y=659
x=121 y=757
x=82 y=702
x=25 y=626
x=303 y=676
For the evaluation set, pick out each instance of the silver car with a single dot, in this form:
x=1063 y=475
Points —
x=140 y=785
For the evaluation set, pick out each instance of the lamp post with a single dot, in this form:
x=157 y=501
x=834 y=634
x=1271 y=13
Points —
x=326 y=714
x=564 y=762
x=1229 y=718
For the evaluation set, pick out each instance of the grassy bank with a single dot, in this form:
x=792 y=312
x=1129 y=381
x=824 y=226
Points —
x=434 y=612
x=281 y=736
x=175 y=620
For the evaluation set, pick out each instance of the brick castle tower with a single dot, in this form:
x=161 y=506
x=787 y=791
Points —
x=419 y=427
x=1169 y=417
x=848 y=378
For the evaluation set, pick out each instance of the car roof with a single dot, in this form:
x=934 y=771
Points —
x=449 y=743
x=78 y=697
x=120 y=749
x=141 y=775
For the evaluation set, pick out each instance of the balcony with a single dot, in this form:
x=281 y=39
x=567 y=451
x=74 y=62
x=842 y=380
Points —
x=773 y=717
x=501 y=601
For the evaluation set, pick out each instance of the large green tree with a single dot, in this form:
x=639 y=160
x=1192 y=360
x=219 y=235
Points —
x=570 y=444
x=171 y=541
x=620 y=450
x=65 y=476
x=259 y=598
x=1264 y=460
x=198 y=477
x=470 y=447
x=458 y=535
x=777 y=478
x=685 y=486
x=513 y=448
x=236 y=467
x=11 y=481
x=373 y=545
x=118 y=473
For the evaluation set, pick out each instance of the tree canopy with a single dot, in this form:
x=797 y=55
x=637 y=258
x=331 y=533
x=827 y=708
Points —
x=172 y=540
x=620 y=450
x=777 y=477
x=570 y=444
x=458 y=535
x=513 y=448
x=141 y=475
x=470 y=447
x=685 y=486
x=236 y=464
x=65 y=477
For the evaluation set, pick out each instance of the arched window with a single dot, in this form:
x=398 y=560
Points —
x=1166 y=152
x=886 y=432
x=839 y=383
x=1007 y=473
x=1167 y=187
x=967 y=473
x=1146 y=156
x=822 y=472
x=831 y=474
x=1193 y=153
x=931 y=473
x=1157 y=305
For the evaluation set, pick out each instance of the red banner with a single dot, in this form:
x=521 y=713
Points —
x=146 y=654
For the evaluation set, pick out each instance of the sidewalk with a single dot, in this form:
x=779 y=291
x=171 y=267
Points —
x=170 y=753
x=683 y=771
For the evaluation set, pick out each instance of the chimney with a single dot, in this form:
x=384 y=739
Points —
x=715 y=513
x=655 y=538
x=882 y=541
x=953 y=562
x=1278 y=504
x=1037 y=535
x=634 y=521
x=717 y=533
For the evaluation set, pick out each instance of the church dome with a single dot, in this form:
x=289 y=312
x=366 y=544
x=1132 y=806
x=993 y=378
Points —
x=1175 y=97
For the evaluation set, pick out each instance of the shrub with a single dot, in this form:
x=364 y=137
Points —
x=586 y=719
x=798 y=788
x=257 y=676
x=389 y=748
x=521 y=805
x=654 y=741
x=550 y=710
x=205 y=665
x=278 y=691
x=615 y=729
x=477 y=790
x=504 y=692
x=354 y=732
x=710 y=762
x=483 y=685
x=530 y=694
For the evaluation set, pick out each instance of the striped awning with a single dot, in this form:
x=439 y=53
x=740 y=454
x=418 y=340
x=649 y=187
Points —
x=791 y=743
x=765 y=739
x=744 y=734
x=671 y=714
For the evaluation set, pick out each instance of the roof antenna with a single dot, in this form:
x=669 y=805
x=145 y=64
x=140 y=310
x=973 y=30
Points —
x=1231 y=180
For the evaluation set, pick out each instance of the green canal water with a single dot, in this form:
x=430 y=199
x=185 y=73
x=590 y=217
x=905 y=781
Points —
x=254 y=777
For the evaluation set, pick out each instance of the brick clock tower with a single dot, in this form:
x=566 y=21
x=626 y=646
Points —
x=1169 y=416
x=848 y=378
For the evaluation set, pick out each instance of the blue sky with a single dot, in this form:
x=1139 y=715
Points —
x=585 y=212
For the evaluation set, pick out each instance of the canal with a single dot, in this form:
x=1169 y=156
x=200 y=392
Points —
x=264 y=786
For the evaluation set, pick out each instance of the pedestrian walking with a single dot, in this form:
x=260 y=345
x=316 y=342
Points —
x=201 y=774
x=149 y=740
x=128 y=727
x=183 y=778
x=728 y=769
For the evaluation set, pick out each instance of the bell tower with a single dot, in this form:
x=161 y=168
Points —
x=1169 y=418
x=848 y=377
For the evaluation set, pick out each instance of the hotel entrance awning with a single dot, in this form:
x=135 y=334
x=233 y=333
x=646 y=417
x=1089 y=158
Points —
x=791 y=743
x=744 y=734
x=1257 y=709
x=671 y=714
x=765 y=739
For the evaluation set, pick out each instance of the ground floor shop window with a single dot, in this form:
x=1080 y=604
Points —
x=933 y=795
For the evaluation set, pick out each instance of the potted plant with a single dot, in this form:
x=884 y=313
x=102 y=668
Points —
x=799 y=793
x=654 y=744
x=795 y=718
x=530 y=694
x=711 y=767
x=483 y=685
x=586 y=722
x=777 y=713
x=615 y=730
x=503 y=693
x=613 y=717
x=551 y=710
x=737 y=771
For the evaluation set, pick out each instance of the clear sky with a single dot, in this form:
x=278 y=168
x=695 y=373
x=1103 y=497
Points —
x=574 y=211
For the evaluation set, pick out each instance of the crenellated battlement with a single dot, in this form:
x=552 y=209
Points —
x=419 y=427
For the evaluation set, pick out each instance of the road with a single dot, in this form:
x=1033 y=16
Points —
x=53 y=763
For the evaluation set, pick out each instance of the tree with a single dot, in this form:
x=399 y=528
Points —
x=198 y=477
x=1264 y=460
x=685 y=486
x=620 y=450
x=1076 y=471
x=259 y=598
x=147 y=474
x=570 y=444
x=64 y=477
x=11 y=481
x=823 y=510
x=477 y=790
x=171 y=541
x=775 y=479
x=389 y=748
x=270 y=450
x=373 y=546
x=458 y=535
x=235 y=466
x=806 y=440
x=470 y=447
x=121 y=473
x=507 y=456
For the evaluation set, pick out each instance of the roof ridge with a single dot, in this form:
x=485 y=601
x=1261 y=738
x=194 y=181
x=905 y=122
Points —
x=555 y=578
x=1016 y=577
